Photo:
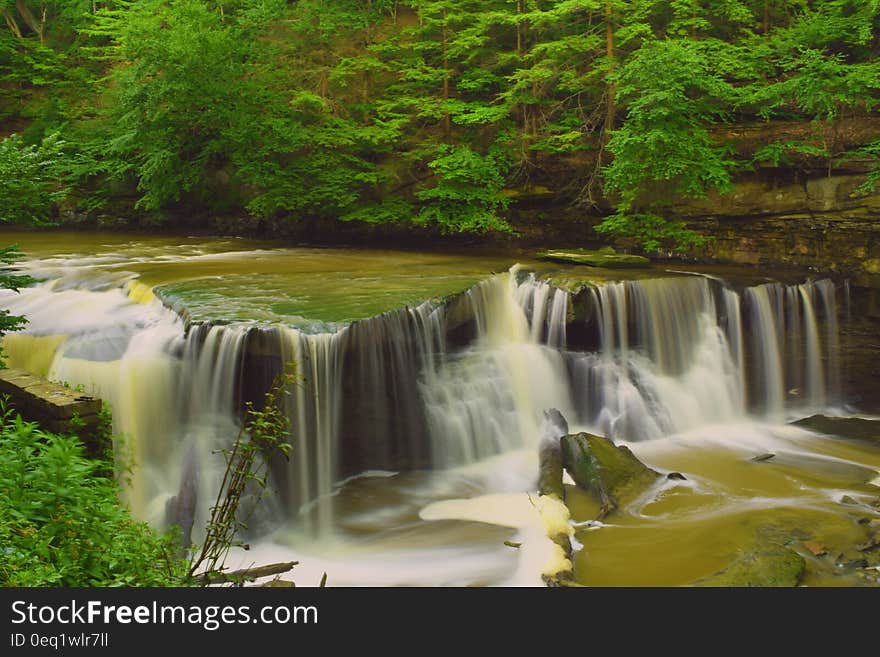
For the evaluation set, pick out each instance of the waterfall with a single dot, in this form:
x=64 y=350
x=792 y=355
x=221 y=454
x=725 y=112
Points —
x=487 y=399
x=734 y=328
x=677 y=353
x=546 y=308
x=664 y=362
x=313 y=408
x=434 y=386
x=827 y=294
x=795 y=330
x=767 y=354
x=815 y=379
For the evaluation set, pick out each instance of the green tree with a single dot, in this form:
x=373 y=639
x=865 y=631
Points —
x=467 y=196
x=29 y=189
x=29 y=179
x=671 y=94
x=173 y=101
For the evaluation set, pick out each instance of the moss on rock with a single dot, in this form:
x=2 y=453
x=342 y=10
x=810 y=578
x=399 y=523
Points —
x=611 y=472
x=770 y=566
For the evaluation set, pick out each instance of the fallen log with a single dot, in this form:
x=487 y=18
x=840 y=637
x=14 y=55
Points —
x=246 y=574
x=550 y=475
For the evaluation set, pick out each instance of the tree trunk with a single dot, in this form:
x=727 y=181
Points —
x=609 y=52
x=519 y=36
x=13 y=26
x=31 y=20
x=446 y=124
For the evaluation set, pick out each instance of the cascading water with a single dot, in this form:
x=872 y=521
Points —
x=678 y=353
x=436 y=386
x=664 y=362
x=487 y=399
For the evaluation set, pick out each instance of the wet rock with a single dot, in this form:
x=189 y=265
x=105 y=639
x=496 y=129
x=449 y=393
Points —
x=846 y=427
x=854 y=563
x=871 y=544
x=762 y=457
x=846 y=499
x=595 y=258
x=610 y=472
x=816 y=549
x=677 y=476
x=771 y=566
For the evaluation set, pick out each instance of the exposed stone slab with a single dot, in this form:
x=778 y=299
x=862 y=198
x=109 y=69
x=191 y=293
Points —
x=846 y=427
x=54 y=407
x=602 y=259
x=47 y=401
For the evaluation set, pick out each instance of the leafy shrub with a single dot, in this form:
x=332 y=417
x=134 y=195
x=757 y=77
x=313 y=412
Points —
x=62 y=524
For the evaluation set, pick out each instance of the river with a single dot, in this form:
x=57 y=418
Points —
x=422 y=382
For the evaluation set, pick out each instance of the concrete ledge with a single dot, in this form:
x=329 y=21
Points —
x=54 y=407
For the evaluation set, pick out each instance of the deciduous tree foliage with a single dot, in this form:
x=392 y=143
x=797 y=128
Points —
x=424 y=112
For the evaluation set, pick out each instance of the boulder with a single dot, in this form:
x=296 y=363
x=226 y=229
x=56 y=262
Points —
x=610 y=472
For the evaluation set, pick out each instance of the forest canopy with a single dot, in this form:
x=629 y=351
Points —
x=432 y=113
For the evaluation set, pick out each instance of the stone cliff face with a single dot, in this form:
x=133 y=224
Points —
x=793 y=218
x=808 y=211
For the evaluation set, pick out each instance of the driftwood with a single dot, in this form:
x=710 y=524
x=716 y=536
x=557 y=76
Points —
x=246 y=574
x=550 y=473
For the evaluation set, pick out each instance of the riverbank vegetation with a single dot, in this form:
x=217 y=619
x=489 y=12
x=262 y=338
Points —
x=61 y=521
x=433 y=114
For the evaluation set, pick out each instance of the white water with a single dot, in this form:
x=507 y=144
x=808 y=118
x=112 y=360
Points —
x=391 y=394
